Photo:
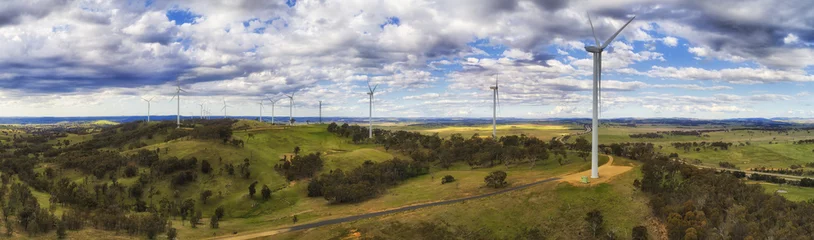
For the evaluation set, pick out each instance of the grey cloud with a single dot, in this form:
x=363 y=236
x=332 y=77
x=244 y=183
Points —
x=12 y=12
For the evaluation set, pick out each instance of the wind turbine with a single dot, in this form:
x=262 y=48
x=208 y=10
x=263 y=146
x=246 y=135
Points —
x=261 y=110
x=320 y=111
x=202 y=110
x=597 y=91
x=290 y=109
x=178 y=91
x=272 y=108
x=224 y=108
x=370 y=119
x=495 y=103
x=148 y=107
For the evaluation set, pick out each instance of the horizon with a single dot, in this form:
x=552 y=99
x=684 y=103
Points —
x=718 y=63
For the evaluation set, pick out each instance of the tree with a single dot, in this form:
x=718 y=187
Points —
x=213 y=222
x=205 y=167
x=205 y=195
x=266 y=192
x=496 y=179
x=61 y=231
x=195 y=219
x=252 y=189
x=595 y=222
x=172 y=233
x=583 y=147
x=639 y=233
x=447 y=179
x=220 y=212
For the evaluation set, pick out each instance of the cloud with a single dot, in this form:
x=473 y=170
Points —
x=732 y=75
x=670 y=41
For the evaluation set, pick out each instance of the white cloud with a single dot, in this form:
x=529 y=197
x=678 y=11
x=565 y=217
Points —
x=670 y=41
x=791 y=39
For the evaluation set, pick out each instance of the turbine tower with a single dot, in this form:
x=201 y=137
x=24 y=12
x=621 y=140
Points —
x=148 y=107
x=370 y=119
x=495 y=102
x=320 y=111
x=202 y=110
x=224 y=108
x=177 y=96
x=272 y=108
x=597 y=91
x=290 y=109
x=261 y=110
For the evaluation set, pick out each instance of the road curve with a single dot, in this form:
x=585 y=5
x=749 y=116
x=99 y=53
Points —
x=376 y=214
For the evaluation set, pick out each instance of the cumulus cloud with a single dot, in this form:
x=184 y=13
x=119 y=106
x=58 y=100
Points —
x=245 y=50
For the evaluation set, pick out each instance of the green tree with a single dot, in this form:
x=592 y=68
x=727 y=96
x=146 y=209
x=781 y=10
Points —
x=595 y=222
x=496 y=179
x=213 y=222
x=639 y=233
x=252 y=189
x=61 y=231
x=205 y=195
x=266 y=192
x=220 y=212
x=172 y=233
x=195 y=218
x=447 y=179
x=206 y=168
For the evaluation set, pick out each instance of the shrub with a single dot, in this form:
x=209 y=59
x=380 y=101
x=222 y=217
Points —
x=496 y=179
x=447 y=179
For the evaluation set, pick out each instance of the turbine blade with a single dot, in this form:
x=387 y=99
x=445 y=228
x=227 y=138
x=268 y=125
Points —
x=374 y=88
x=617 y=33
x=592 y=30
x=173 y=98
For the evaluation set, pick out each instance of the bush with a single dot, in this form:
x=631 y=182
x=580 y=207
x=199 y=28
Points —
x=639 y=233
x=496 y=179
x=447 y=179
x=727 y=165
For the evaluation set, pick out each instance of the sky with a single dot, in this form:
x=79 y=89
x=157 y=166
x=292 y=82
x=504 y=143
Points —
x=678 y=58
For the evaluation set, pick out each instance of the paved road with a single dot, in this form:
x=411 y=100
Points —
x=376 y=214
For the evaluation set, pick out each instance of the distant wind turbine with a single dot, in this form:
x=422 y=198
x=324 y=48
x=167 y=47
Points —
x=272 y=108
x=495 y=103
x=291 y=109
x=224 y=108
x=370 y=118
x=261 y=110
x=148 y=107
x=177 y=96
x=320 y=111
x=202 y=110
x=597 y=91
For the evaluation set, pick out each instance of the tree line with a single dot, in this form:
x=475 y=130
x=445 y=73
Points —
x=702 y=204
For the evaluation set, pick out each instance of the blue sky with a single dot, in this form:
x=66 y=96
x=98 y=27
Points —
x=693 y=58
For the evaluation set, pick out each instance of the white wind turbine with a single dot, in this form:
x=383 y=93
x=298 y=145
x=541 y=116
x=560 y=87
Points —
x=370 y=118
x=291 y=109
x=224 y=108
x=202 y=110
x=597 y=90
x=177 y=96
x=261 y=110
x=148 y=107
x=320 y=111
x=272 y=108
x=495 y=103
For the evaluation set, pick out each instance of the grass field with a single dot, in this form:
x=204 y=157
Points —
x=540 y=131
x=557 y=209
x=793 y=193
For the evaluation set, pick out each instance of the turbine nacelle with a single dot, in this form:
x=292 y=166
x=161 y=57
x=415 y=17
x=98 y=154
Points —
x=594 y=49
